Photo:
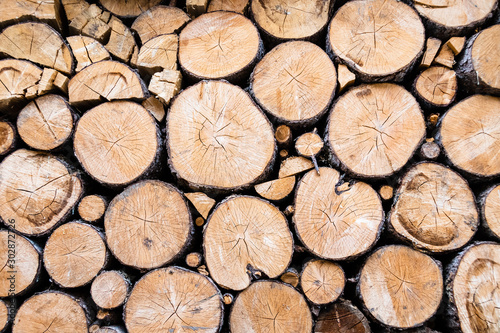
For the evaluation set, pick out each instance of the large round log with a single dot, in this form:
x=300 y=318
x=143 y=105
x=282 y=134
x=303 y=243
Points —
x=245 y=234
x=218 y=138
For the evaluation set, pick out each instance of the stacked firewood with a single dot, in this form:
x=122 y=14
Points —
x=250 y=166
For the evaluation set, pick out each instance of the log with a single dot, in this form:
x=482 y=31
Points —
x=294 y=165
x=110 y=289
x=159 y=20
x=46 y=123
x=269 y=306
x=51 y=310
x=18 y=79
x=386 y=192
x=246 y=234
x=283 y=135
x=194 y=259
x=237 y=6
x=25 y=40
x=456 y=44
x=326 y=219
x=127 y=8
x=283 y=20
x=451 y=18
x=276 y=189
x=227 y=298
x=431 y=49
x=165 y=85
x=74 y=254
x=121 y=42
x=148 y=225
x=92 y=207
x=291 y=276
x=400 y=287
x=469 y=136
x=110 y=329
x=228 y=43
x=472 y=284
x=436 y=87
x=37 y=191
x=117 y=142
x=184 y=300
x=15 y=11
x=105 y=81
x=202 y=202
x=489 y=202
x=445 y=57
x=7 y=137
x=341 y=316
x=372 y=137
x=430 y=150
x=22 y=260
x=157 y=54
x=478 y=67
x=155 y=107
x=218 y=138
x=86 y=51
x=309 y=144
x=434 y=209
x=196 y=7
x=73 y=8
x=378 y=40
x=322 y=281
x=92 y=22
x=295 y=82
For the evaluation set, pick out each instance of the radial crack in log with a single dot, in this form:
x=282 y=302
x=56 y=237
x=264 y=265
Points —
x=322 y=281
x=87 y=51
x=36 y=10
x=243 y=232
x=110 y=289
x=436 y=86
x=159 y=20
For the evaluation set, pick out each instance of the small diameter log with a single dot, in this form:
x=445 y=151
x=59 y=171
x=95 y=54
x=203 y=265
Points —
x=51 y=311
x=342 y=317
x=19 y=81
x=74 y=254
x=127 y=8
x=246 y=234
x=283 y=20
x=294 y=165
x=470 y=135
x=309 y=144
x=117 y=142
x=7 y=137
x=110 y=289
x=379 y=40
x=148 y=225
x=105 y=81
x=430 y=150
x=165 y=85
x=92 y=207
x=283 y=135
x=478 y=67
x=335 y=223
x=434 y=209
x=291 y=276
x=202 y=202
x=386 y=192
x=46 y=123
x=436 y=87
x=268 y=306
x=218 y=138
x=86 y=51
x=22 y=264
x=237 y=6
x=374 y=129
x=37 y=191
x=183 y=300
x=490 y=210
x=25 y=40
x=228 y=43
x=157 y=54
x=14 y=11
x=121 y=43
x=155 y=107
x=159 y=20
x=276 y=189
x=400 y=287
x=227 y=298
x=295 y=82
x=199 y=221
x=322 y=281
x=346 y=78
x=472 y=287
x=194 y=259
x=450 y=18
x=431 y=49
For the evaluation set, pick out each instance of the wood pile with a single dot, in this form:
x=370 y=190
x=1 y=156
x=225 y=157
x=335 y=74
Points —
x=250 y=166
